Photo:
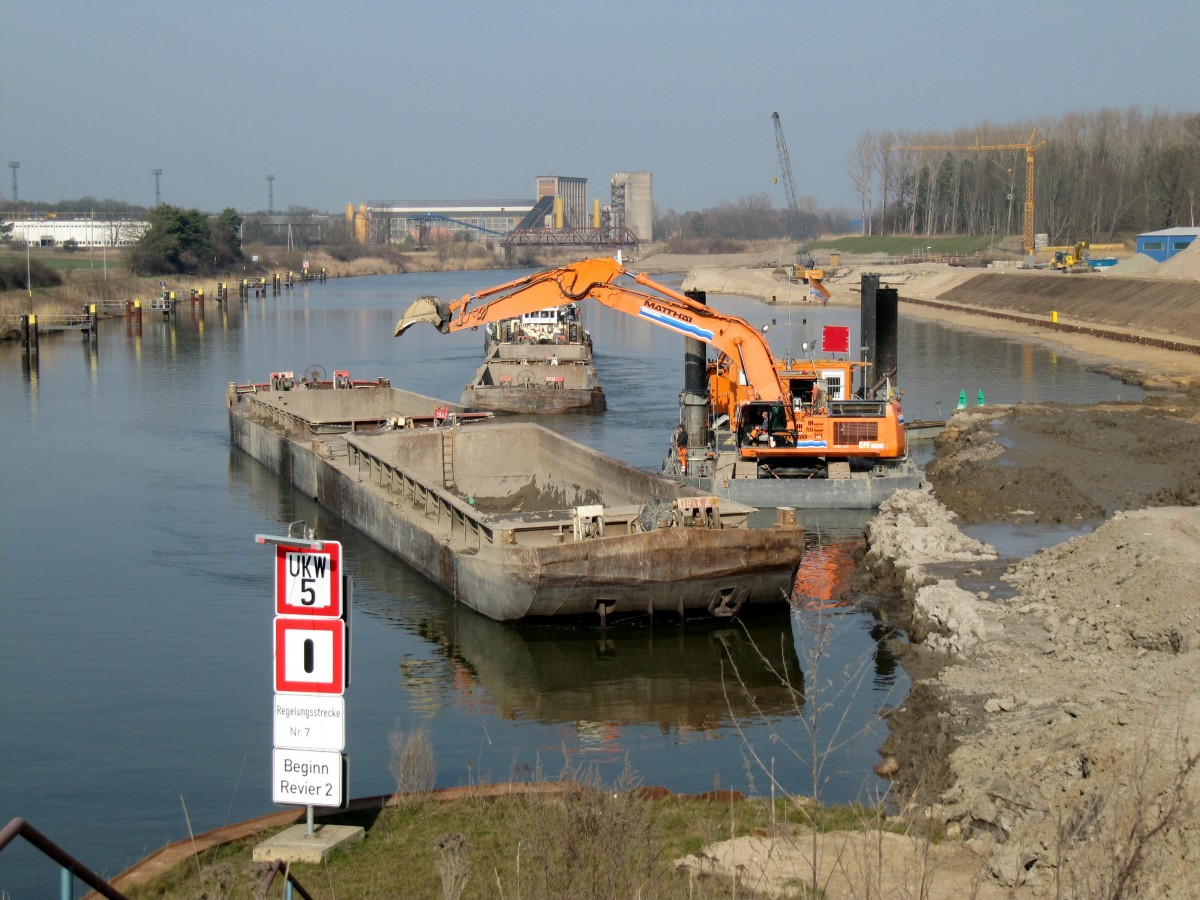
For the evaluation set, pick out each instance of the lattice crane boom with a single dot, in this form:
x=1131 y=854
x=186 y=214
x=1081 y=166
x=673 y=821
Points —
x=1029 y=147
x=785 y=166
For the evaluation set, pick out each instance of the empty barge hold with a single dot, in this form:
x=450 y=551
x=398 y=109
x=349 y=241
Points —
x=513 y=520
x=540 y=362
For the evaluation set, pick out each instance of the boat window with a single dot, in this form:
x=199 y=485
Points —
x=541 y=316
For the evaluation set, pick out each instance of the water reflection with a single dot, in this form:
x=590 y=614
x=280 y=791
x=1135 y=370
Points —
x=695 y=677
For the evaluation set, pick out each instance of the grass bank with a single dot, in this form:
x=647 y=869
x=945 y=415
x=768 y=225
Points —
x=580 y=842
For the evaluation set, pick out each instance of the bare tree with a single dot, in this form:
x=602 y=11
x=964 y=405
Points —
x=1100 y=174
x=860 y=166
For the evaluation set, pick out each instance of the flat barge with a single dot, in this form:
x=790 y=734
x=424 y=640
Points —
x=511 y=519
x=540 y=362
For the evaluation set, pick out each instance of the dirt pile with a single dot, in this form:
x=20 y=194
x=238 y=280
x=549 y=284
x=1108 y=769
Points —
x=1072 y=712
x=1184 y=264
x=1139 y=264
x=1052 y=714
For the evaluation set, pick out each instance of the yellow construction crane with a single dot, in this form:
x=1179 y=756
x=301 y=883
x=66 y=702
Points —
x=1029 y=147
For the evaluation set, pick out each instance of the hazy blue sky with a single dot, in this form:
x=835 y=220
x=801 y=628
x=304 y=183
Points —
x=382 y=101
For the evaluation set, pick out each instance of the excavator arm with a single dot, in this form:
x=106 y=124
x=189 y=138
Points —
x=594 y=279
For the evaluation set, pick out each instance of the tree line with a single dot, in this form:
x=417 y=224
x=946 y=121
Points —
x=724 y=227
x=1098 y=176
x=186 y=241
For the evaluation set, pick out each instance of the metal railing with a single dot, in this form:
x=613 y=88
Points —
x=71 y=867
x=290 y=881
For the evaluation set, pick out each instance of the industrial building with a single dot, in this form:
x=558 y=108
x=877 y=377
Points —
x=1162 y=245
x=89 y=232
x=570 y=196
x=392 y=223
x=559 y=215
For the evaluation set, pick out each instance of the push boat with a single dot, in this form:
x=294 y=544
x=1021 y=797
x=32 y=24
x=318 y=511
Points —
x=511 y=519
x=539 y=362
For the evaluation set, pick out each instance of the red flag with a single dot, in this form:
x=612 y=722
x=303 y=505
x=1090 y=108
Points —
x=835 y=339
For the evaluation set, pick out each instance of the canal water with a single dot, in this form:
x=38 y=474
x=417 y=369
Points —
x=135 y=624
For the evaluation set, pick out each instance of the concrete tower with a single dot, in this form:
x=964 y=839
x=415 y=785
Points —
x=633 y=203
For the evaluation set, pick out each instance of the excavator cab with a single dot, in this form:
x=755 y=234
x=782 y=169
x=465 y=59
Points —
x=764 y=423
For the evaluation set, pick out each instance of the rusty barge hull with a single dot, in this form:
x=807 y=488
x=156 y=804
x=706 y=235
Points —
x=520 y=379
x=515 y=521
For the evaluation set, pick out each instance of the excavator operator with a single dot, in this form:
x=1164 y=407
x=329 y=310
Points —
x=762 y=431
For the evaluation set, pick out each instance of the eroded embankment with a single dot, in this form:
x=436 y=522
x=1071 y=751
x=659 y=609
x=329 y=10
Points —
x=1056 y=730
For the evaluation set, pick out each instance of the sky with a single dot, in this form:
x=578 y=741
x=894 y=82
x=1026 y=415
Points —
x=367 y=101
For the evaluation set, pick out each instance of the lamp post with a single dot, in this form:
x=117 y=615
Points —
x=157 y=194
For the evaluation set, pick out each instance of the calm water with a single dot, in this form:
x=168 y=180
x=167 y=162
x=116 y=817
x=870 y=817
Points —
x=135 y=624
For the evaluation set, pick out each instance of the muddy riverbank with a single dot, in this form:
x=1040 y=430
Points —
x=1054 y=722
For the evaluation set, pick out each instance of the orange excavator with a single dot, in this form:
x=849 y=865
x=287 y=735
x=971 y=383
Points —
x=778 y=418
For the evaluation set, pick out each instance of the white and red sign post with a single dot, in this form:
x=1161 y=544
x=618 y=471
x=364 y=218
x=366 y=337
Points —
x=312 y=670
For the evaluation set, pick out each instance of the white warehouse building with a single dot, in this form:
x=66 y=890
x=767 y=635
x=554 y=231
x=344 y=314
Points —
x=84 y=232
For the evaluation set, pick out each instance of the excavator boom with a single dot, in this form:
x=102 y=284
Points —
x=593 y=280
x=804 y=408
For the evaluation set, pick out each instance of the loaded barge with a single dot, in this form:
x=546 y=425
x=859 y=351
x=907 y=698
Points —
x=513 y=520
x=540 y=362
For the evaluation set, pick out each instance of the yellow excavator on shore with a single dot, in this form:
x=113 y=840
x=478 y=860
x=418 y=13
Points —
x=1071 y=259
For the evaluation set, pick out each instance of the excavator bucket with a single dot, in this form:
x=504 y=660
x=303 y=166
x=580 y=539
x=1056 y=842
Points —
x=433 y=310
